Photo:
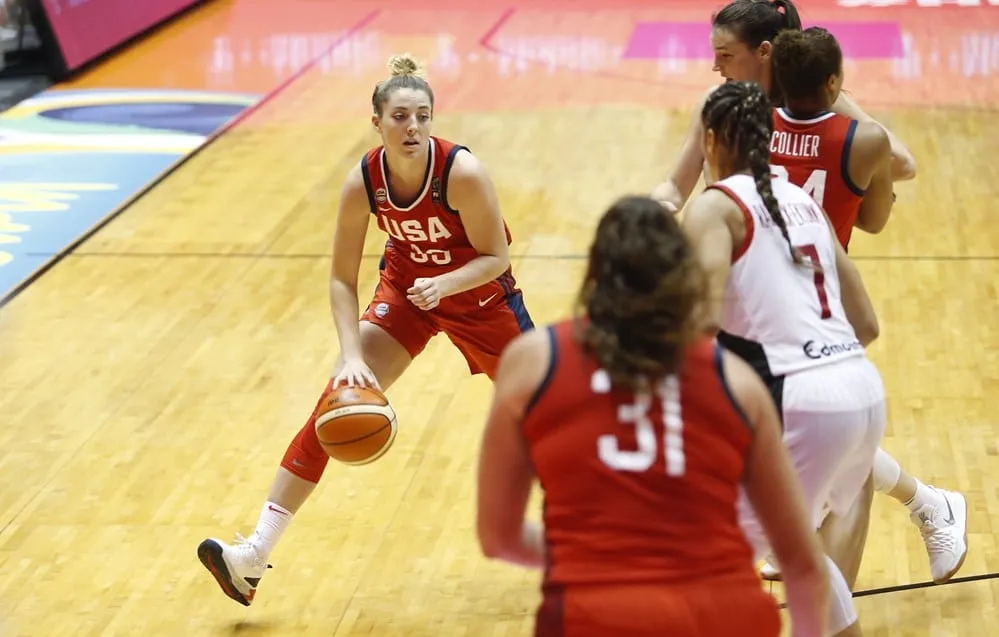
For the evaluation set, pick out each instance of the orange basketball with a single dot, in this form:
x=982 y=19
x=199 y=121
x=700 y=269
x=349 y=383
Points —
x=355 y=425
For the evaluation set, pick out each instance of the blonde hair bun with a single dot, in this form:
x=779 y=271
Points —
x=405 y=64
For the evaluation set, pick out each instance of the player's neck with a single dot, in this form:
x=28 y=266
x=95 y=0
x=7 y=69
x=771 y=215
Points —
x=808 y=109
x=406 y=172
x=726 y=172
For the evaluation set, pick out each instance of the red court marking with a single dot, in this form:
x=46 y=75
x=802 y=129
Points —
x=280 y=88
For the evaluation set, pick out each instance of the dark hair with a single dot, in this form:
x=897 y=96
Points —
x=757 y=21
x=641 y=291
x=406 y=73
x=803 y=62
x=741 y=117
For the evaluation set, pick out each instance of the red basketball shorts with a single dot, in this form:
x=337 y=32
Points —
x=697 y=609
x=480 y=322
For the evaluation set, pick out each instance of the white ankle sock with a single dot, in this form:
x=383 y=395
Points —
x=926 y=495
x=274 y=519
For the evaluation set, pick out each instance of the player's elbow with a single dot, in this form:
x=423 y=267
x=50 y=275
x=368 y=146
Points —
x=868 y=330
x=872 y=227
x=903 y=167
x=494 y=544
x=342 y=285
x=668 y=196
x=499 y=263
x=503 y=262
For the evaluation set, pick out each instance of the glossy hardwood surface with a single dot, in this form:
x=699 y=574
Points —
x=151 y=380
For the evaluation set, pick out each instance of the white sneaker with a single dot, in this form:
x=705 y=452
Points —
x=236 y=567
x=945 y=533
x=770 y=573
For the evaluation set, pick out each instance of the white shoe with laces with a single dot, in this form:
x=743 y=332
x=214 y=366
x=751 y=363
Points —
x=945 y=533
x=236 y=567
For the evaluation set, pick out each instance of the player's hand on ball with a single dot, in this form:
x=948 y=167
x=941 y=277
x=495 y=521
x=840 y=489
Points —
x=425 y=293
x=355 y=373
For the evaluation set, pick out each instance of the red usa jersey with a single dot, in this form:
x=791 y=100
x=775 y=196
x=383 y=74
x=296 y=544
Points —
x=638 y=487
x=813 y=154
x=426 y=237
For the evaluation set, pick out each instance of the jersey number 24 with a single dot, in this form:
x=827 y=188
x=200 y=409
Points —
x=648 y=431
x=814 y=186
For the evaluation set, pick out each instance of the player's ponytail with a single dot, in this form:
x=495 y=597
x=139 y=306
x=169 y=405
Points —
x=405 y=72
x=740 y=115
x=641 y=294
x=789 y=15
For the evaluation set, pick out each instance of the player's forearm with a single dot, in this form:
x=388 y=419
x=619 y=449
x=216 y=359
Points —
x=527 y=549
x=345 y=308
x=478 y=271
x=668 y=194
x=903 y=164
x=808 y=602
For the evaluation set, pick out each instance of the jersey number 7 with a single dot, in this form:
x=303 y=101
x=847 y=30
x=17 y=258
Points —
x=670 y=429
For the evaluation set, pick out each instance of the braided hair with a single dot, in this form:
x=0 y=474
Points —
x=741 y=117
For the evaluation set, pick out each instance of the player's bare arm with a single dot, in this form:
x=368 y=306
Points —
x=714 y=224
x=870 y=168
x=470 y=191
x=348 y=246
x=505 y=471
x=774 y=491
x=673 y=192
x=903 y=165
x=856 y=302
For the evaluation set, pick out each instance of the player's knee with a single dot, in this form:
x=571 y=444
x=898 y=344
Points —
x=305 y=457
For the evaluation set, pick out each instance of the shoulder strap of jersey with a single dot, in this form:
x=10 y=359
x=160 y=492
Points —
x=449 y=150
x=747 y=240
x=370 y=160
x=844 y=162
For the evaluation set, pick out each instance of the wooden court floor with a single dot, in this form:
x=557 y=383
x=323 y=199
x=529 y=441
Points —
x=152 y=379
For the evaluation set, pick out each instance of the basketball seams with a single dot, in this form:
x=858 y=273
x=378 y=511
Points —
x=356 y=410
x=355 y=426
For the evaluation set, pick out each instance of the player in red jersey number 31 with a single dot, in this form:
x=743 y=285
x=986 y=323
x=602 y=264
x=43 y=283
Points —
x=641 y=432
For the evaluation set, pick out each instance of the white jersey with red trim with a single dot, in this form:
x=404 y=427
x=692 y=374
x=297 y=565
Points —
x=792 y=313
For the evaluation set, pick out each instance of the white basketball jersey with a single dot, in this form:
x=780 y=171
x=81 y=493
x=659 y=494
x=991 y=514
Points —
x=792 y=312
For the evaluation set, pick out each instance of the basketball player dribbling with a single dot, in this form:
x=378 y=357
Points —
x=446 y=268
x=845 y=165
x=787 y=300
x=742 y=37
x=641 y=431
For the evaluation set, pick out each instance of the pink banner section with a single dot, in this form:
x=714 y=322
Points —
x=692 y=40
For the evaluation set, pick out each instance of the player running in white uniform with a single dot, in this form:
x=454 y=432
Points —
x=786 y=298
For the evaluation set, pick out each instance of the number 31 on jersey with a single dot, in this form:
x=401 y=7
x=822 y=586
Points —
x=637 y=414
x=814 y=186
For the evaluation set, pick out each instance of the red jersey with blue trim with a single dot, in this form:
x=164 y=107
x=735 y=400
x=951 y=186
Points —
x=814 y=154
x=639 y=487
x=427 y=237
